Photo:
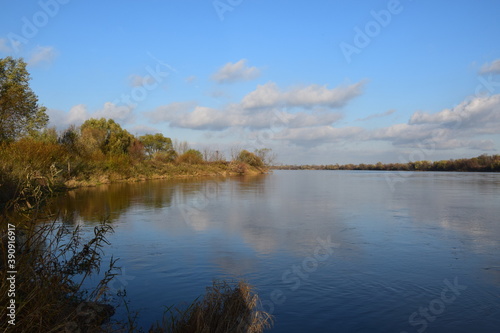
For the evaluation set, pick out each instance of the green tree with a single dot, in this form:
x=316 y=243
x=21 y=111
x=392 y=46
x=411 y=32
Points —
x=105 y=135
x=20 y=113
x=70 y=139
x=157 y=143
x=47 y=135
x=192 y=156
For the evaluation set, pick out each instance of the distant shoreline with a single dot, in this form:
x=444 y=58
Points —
x=482 y=163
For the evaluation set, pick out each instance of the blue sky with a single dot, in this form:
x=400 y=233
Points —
x=318 y=82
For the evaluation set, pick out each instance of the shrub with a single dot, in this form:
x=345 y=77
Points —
x=226 y=307
x=238 y=167
x=136 y=151
x=8 y=188
x=165 y=156
x=118 y=164
x=36 y=155
x=250 y=158
x=48 y=135
x=191 y=156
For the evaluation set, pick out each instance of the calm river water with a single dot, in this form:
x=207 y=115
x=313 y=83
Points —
x=327 y=251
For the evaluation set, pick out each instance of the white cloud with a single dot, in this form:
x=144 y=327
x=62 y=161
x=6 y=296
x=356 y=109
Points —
x=42 y=54
x=79 y=113
x=264 y=108
x=458 y=127
x=236 y=72
x=401 y=132
x=120 y=113
x=481 y=114
x=303 y=119
x=269 y=95
x=187 y=115
x=485 y=145
x=319 y=135
x=169 y=112
x=61 y=119
x=203 y=118
x=143 y=129
x=292 y=116
x=4 y=48
x=491 y=68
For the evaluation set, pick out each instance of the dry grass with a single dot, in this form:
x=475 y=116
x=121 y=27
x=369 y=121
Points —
x=51 y=263
x=226 y=307
x=52 y=162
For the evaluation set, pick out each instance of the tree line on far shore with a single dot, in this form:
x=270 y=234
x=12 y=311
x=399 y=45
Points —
x=481 y=163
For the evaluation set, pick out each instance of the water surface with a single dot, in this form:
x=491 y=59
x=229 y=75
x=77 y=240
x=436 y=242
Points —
x=327 y=251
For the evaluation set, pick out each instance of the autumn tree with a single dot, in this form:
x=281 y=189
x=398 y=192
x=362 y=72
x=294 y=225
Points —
x=47 y=135
x=20 y=113
x=69 y=138
x=250 y=158
x=105 y=135
x=192 y=156
x=157 y=143
x=136 y=150
x=266 y=155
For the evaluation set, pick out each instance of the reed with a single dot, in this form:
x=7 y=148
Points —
x=52 y=262
x=226 y=307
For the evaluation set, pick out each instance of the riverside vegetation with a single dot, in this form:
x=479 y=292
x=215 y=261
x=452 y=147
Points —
x=482 y=163
x=51 y=259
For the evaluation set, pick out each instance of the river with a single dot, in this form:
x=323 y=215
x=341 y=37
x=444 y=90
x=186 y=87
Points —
x=327 y=251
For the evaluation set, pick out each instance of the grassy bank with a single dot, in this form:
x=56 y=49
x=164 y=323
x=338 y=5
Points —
x=166 y=171
x=53 y=166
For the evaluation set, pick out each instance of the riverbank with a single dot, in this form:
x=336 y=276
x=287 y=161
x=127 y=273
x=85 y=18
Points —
x=482 y=163
x=171 y=171
x=50 y=260
x=51 y=167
